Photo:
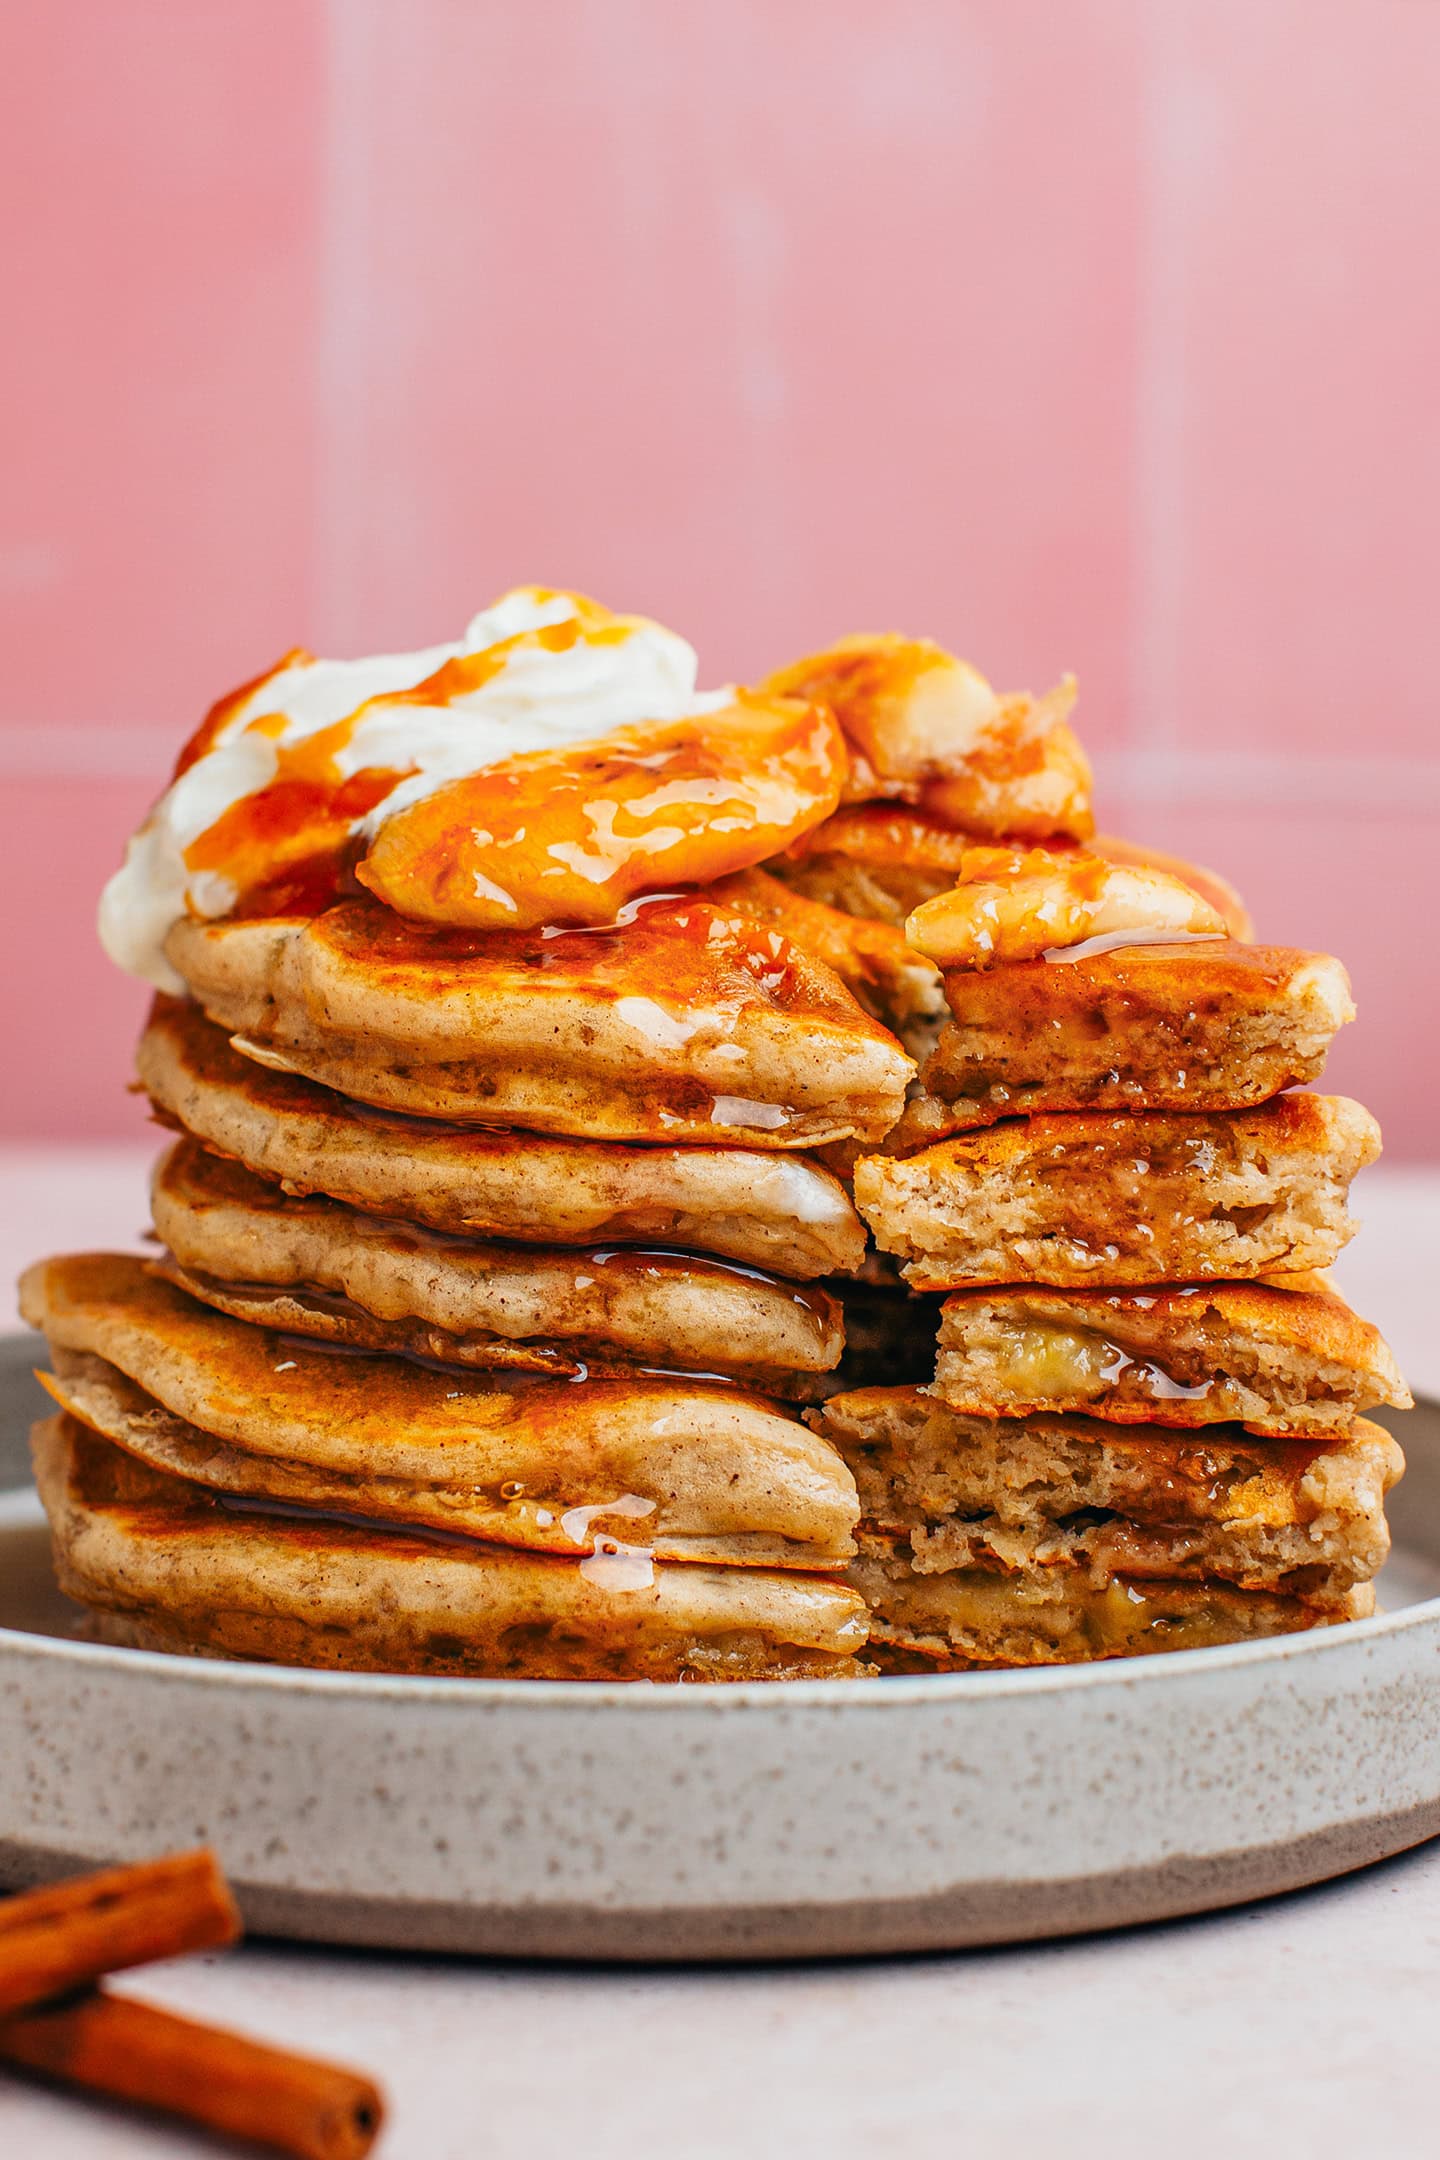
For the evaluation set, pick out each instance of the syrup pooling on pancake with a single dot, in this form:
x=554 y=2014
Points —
x=290 y=781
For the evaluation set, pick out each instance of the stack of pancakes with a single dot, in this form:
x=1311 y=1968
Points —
x=515 y=1311
x=1144 y=1429
x=405 y=1389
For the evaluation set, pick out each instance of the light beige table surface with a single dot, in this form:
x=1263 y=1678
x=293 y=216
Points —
x=1306 y=2025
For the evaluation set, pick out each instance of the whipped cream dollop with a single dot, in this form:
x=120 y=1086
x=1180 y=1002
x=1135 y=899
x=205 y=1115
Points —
x=551 y=669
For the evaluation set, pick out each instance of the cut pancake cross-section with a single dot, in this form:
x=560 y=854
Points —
x=1153 y=1197
x=1205 y=1026
x=1281 y=1356
x=1052 y=1537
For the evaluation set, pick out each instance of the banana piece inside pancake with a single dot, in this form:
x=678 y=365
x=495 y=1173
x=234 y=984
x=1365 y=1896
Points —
x=707 y=1471
x=972 y=1619
x=781 y=1212
x=1054 y=1537
x=236 y=1237
x=1286 y=1356
x=1153 y=1197
x=1209 y=1026
x=165 y=1565
x=687 y=1023
x=1300 y=1518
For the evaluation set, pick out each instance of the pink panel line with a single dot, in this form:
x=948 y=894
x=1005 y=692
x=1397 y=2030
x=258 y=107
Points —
x=343 y=497
x=1157 y=521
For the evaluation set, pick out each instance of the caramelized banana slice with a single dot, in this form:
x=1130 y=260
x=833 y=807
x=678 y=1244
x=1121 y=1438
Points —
x=882 y=859
x=1208 y=883
x=926 y=728
x=1010 y=905
x=569 y=835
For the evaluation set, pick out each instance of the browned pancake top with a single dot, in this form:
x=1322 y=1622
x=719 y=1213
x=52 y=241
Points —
x=1210 y=975
x=1186 y=1140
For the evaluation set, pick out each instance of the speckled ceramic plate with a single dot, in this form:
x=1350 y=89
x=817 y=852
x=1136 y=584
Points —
x=549 y=1819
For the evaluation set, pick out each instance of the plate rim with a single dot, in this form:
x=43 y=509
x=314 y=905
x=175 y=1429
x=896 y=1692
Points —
x=1153 y=1668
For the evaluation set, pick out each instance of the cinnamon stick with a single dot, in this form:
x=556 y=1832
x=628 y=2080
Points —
x=151 y=2058
x=54 y=1941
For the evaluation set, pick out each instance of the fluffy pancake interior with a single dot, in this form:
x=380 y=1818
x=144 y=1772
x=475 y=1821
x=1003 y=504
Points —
x=1161 y=1027
x=1064 y=1492
x=1154 y=1197
x=1046 y=1617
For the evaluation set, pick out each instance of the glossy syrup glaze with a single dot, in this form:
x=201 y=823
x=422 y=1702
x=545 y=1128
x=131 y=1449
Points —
x=569 y=836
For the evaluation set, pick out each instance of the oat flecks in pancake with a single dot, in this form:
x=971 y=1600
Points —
x=659 y=1309
x=1208 y=1026
x=916 y=1460
x=718 y=1463
x=164 y=1565
x=781 y=1212
x=1154 y=1197
x=687 y=1024
x=1284 y=1356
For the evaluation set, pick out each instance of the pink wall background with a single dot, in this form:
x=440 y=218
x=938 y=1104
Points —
x=1102 y=335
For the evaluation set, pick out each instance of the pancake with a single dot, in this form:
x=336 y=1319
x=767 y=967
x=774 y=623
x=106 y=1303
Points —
x=883 y=860
x=164 y=1565
x=972 y=1618
x=685 y=1023
x=1209 y=1026
x=887 y=978
x=726 y=1476
x=775 y=1211
x=1286 y=1356
x=1299 y=1518
x=1154 y=1197
x=923 y=726
x=549 y=1308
